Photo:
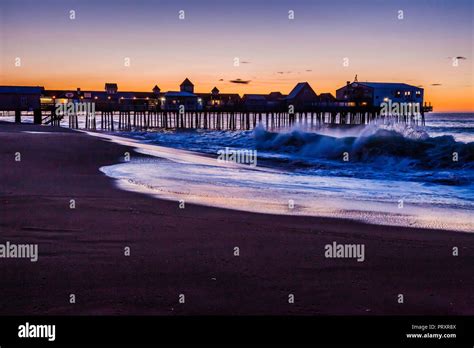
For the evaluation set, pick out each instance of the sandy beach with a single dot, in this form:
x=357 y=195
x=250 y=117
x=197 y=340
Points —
x=190 y=251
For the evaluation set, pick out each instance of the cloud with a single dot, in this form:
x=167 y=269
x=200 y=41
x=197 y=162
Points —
x=245 y=62
x=308 y=70
x=436 y=84
x=458 y=58
x=244 y=82
x=283 y=72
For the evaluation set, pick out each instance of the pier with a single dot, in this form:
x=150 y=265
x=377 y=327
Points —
x=356 y=103
x=128 y=120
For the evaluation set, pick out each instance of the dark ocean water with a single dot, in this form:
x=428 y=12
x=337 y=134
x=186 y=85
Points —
x=441 y=152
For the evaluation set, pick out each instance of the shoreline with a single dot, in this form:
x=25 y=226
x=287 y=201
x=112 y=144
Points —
x=134 y=176
x=191 y=251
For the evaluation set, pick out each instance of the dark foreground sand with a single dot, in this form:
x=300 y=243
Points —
x=190 y=251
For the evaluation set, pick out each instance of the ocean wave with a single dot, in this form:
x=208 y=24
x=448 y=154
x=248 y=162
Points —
x=402 y=147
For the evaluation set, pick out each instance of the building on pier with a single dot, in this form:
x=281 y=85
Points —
x=275 y=100
x=111 y=88
x=173 y=100
x=326 y=99
x=254 y=102
x=107 y=100
x=21 y=98
x=373 y=94
x=302 y=96
x=218 y=100
x=186 y=86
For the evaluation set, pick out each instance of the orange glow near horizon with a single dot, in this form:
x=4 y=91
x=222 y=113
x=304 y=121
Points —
x=443 y=99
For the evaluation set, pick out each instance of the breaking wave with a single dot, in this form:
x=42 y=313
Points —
x=400 y=146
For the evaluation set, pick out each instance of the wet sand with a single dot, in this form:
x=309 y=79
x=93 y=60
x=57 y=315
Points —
x=190 y=251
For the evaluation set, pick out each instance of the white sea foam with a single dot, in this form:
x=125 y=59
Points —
x=176 y=174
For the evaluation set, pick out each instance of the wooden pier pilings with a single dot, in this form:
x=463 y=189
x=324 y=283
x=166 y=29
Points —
x=237 y=120
x=128 y=120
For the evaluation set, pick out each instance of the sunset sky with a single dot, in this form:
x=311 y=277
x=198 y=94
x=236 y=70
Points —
x=274 y=52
